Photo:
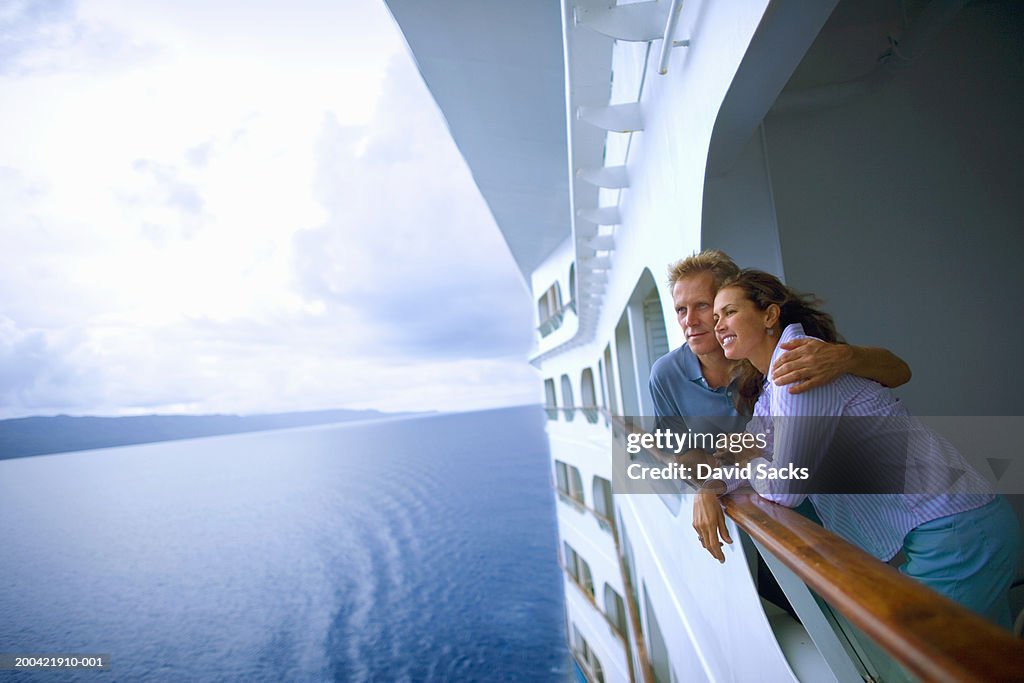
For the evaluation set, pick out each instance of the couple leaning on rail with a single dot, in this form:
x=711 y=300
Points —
x=756 y=348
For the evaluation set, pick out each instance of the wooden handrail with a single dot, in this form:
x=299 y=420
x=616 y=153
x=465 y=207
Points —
x=931 y=636
x=646 y=672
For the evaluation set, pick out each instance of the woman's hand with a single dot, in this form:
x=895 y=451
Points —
x=740 y=458
x=709 y=523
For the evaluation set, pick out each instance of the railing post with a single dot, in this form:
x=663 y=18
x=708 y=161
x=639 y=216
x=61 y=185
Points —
x=670 y=31
x=839 y=656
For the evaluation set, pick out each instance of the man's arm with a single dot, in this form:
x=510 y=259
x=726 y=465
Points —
x=812 y=363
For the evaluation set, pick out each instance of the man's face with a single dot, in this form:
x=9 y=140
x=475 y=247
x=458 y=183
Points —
x=694 y=299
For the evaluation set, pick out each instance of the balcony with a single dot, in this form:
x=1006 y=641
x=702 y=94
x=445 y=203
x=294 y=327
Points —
x=867 y=620
x=554 y=321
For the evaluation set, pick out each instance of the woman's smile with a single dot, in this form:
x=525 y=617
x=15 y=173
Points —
x=744 y=331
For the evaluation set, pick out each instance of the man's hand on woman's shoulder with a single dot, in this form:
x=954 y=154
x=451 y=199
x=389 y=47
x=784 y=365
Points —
x=808 y=363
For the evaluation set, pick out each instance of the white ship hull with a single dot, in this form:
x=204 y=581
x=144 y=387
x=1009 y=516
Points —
x=867 y=151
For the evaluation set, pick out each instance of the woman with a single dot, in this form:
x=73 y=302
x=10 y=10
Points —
x=877 y=478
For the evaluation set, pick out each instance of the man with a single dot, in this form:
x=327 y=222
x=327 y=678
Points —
x=694 y=380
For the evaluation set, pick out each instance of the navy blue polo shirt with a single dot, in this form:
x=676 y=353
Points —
x=679 y=390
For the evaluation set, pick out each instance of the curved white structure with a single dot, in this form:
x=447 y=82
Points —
x=800 y=138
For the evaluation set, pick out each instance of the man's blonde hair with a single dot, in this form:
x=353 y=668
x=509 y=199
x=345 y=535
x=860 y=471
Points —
x=711 y=261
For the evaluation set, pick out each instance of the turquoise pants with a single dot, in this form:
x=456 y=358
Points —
x=970 y=557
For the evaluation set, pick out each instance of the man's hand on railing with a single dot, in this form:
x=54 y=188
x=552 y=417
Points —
x=709 y=522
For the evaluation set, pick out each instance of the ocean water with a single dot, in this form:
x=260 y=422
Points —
x=416 y=549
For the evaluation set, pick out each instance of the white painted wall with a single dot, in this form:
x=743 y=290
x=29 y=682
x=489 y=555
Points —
x=662 y=208
x=709 y=613
x=903 y=210
x=592 y=626
x=585 y=446
x=661 y=223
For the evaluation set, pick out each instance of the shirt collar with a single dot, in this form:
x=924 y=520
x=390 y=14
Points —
x=691 y=365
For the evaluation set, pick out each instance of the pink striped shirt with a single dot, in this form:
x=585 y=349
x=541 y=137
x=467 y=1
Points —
x=894 y=473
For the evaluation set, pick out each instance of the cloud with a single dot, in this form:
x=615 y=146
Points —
x=26 y=24
x=16 y=187
x=37 y=287
x=38 y=372
x=207 y=367
x=409 y=243
x=47 y=36
x=199 y=155
x=169 y=206
x=168 y=189
x=179 y=246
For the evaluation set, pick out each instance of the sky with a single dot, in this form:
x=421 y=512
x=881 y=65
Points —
x=240 y=207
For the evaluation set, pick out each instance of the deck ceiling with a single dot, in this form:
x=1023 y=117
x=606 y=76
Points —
x=495 y=69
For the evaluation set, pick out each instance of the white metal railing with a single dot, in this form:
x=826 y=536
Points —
x=670 y=30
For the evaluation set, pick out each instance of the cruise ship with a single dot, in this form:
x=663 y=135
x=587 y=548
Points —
x=866 y=150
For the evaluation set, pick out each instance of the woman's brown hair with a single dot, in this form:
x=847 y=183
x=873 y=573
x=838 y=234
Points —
x=764 y=289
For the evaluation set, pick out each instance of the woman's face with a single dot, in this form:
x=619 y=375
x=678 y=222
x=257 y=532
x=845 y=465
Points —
x=741 y=328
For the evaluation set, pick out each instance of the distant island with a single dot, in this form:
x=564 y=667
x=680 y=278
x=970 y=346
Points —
x=25 y=436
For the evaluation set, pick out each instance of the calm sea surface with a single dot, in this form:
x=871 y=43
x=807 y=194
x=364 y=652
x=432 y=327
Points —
x=409 y=550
